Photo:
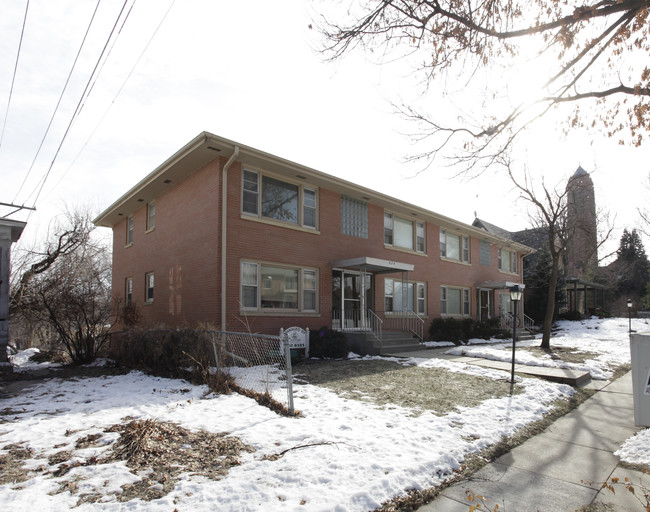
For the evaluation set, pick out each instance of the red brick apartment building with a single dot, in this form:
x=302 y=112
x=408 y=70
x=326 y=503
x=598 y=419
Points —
x=228 y=235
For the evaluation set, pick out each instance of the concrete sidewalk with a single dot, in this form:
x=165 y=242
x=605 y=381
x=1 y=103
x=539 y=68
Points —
x=563 y=468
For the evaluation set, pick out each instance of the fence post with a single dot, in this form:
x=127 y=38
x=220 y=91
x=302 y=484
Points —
x=214 y=348
x=287 y=355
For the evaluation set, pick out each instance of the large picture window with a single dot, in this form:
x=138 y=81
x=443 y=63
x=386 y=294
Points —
x=272 y=198
x=454 y=301
x=280 y=290
x=403 y=233
x=404 y=296
x=454 y=246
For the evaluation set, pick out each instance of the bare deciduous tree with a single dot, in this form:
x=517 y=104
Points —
x=66 y=290
x=598 y=50
x=549 y=214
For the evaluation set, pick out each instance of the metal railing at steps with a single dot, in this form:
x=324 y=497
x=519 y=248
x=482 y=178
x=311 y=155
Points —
x=402 y=321
x=529 y=324
x=376 y=322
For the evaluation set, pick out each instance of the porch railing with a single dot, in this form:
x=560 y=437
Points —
x=403 y=321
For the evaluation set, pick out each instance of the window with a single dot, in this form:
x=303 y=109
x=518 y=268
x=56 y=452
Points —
x=507 y=260
x=421 y=299
x=403 y=233
x=404 y=296
x=128 y=290
x=354 y=217
x=454 y=247
x=419 y=236
x=309 y=290
x=151 y=215
x=454 y=301
x=129 y=230
x=250 y=192
x=148 y=286
x=278 y=200
x=309 y=207
x=280 y=288
x=485 y=253
x=249 y=285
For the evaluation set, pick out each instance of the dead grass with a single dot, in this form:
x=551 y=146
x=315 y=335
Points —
x=564 y=354
x=12 y=470
x=389 y=383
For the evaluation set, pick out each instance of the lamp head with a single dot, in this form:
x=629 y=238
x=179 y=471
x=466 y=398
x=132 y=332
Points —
x=515 y=293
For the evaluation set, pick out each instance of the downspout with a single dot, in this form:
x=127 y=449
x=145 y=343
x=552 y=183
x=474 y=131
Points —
x=224 y=225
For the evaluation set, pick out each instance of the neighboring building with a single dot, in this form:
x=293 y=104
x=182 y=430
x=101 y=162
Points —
x=10 y=231
x=227 y=235
x=582 y=244
x=579 y=263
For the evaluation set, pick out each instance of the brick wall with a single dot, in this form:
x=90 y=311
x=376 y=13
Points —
x=184 y=253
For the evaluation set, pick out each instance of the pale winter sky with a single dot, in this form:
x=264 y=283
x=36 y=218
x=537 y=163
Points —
x=249 y=71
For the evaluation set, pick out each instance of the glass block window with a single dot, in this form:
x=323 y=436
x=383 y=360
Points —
x=354 y=217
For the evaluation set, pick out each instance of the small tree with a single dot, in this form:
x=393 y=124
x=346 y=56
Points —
x=66 y=290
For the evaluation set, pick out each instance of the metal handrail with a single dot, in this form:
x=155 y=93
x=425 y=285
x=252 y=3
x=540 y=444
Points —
x=376 y=326
x=529 y=323
x=406 y=321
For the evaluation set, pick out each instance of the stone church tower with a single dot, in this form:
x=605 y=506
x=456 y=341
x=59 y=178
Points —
x=582 y=244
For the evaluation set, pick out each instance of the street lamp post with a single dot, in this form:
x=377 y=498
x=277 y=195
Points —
x=629 y=315
x=515 y=297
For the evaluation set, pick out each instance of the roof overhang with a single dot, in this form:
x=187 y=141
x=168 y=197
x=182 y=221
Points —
x=13 y=227
x=375 y=265
x=206 y=147
x=574 y=281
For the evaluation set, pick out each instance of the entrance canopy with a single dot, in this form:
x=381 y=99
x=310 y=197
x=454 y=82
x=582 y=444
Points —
x=376 y=265
x=499 y=285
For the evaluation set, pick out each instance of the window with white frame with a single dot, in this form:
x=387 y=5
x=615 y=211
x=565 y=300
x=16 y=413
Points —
x=454 y=301
x=403 y=233
x=272 y=198
x=129 y=230
x=507 y=260
x=454 y=246
x=404 y=296
x=280 y=288
x=128 y=290
x=151 y=215
x=354 y=217
x=148 y=287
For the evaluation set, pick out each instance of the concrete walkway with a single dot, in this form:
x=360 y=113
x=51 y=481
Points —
x=562 y=375
x=563 y=468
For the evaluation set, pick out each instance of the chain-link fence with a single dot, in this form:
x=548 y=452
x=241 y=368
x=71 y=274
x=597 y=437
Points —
x=259 y=363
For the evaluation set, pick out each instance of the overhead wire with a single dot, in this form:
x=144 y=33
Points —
x=13 y=78
x=77 y=110
x=47 y=130
x=101 y=120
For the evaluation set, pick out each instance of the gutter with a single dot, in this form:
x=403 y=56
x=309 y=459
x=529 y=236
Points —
x=224 y=232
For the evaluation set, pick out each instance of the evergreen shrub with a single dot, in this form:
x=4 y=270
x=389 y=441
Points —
x=328 y=344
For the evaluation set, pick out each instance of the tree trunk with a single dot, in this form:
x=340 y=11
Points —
x=550 y=301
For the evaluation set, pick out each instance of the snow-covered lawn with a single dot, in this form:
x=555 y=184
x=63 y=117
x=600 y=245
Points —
x=607 y=339
x=342 y=454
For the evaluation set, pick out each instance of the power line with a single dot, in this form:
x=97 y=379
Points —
x=38 y=151
x=117 y=94
x=77 y=110
x=13 y=78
